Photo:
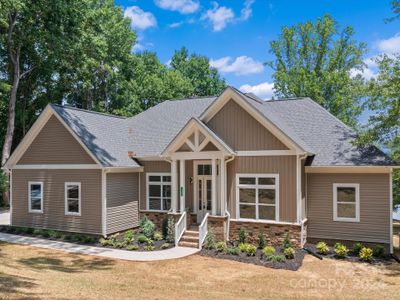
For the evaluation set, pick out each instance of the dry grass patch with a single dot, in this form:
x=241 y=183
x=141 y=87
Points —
x=27 y=272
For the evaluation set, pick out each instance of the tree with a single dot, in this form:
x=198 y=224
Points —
x=316 y=60
x=205 y=80
x=383 y=101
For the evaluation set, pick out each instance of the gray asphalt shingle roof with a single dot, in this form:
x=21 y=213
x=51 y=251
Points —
x=310 y=126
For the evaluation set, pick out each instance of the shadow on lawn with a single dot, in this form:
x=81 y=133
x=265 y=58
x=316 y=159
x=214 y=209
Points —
x=12 y=284
x=68 y=266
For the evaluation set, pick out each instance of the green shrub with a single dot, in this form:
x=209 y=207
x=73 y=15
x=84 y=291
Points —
x=322 y=248
x=379 y=251
x=114 y=237
x=29 y=230
x=142 y=239
x=149 y=242
x=132 y=247
x=164 y=228
x=45 y=233
x=68 y=237
x=105 y=242
x=289 y=253
x=149 y=248
x=158 y=236
x=171 y=230
x=220 y=246
x=233 y=250
x=286 y=242
x=210 y=241
x=148 y=229
x=88 y=239
x=366 y=254
x=249 y=249
x=242 y=236
x=261 y=241
x=276 y=258
x=165 y=246
x=37 y=231
x=119 y=245
x=143 y=221
x=268 y=250
x=340 y=250
x=356 y=248
x=128 y=236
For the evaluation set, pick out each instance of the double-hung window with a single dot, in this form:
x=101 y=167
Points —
x=73 y=198
x=158 y=191
x=35 y=194
x=257 y=196
x=346 y=202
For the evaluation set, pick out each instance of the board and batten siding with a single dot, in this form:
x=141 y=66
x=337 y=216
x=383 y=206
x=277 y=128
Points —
x=374 y=225
x=122 y=201
x=285 y=166
x=241 y=131
x=53 y=216
x=55 y=145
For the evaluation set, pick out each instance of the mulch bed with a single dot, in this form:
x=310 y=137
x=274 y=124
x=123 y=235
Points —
x=288 y=264
x=386 y=260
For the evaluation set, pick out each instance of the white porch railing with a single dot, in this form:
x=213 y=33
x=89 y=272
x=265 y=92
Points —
x=180 y=228
x=203 y=230
x=228 y=225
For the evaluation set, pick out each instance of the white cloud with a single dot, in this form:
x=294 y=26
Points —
x=139 y=18
x=390 y=45
x=182 y=6
x=219 y=16
x=246 y=11
x=242 y=65
x=263 y=90
x=175 y=25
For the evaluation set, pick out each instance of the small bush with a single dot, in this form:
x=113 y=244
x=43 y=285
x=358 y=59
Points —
x=220 y=246
x=119 y=245
x=261 y=241
x=289 y=253
x=233 y=250
x=379 y=251
x=171 y=230
x=340 y=250
x=322 y=248
x=249 y=249
x=37 y=231
x=29 y=230
x=286 y=242
x=149 y=242
x=276 y=258
x=68 y=237
x=114 y=237
x=143 y=221
x=243 y=247
x=149 y=248
x=89 y=239
x=142 y=239
x=132 y=247
x=356 y=248
x=45 y=233
x=158 y=236
x=105 y=242
x=268 y=250
x=366 y=254
x=128 y=236
x=148 y=229
x=164 y=228
x=165 y=246
x=242 y=236
x=210 y=240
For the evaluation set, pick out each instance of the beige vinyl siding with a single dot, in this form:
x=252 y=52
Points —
x=374 y=208
x=285 y=166
x=55 y=145
x=53 y=216
x=241 y=131
x=150 y=167
x=122 y=201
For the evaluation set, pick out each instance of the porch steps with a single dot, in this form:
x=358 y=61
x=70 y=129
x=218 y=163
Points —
x=190 y=238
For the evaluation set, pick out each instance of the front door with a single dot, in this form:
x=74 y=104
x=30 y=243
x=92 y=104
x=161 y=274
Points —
x=204 y=191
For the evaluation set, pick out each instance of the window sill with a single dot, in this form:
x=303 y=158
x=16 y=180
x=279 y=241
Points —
x=36 y=211
x=73 y=214
x=346 y=220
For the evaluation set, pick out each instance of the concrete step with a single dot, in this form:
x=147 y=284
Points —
x=189 y=244
x=189 y=238
x=192 y=233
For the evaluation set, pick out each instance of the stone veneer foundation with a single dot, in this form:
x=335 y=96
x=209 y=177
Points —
x=274 y=233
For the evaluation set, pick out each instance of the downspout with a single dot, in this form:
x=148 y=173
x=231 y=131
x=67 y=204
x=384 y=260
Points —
x=9 y=171
x=300 y=219
x=226 y=197
x=104 y=172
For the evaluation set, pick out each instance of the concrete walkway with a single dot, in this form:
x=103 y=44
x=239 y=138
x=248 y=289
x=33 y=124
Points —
x=4 y=217
x=172 y=253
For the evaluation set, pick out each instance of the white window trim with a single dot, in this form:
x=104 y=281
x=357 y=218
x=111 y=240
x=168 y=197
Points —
x=161 y=183
x=335 y=202
x=67 y=213
x=30 y=183
x=257 y=186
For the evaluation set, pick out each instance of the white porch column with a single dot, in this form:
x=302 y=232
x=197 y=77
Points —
x=182 y=185
x=174 y=185
x=214 y=186
x=222 y=186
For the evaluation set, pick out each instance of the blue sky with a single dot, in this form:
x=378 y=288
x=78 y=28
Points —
x=235 y=35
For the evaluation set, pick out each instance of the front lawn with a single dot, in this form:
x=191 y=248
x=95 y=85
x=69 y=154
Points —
x=28 y=272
